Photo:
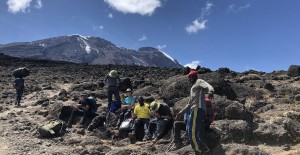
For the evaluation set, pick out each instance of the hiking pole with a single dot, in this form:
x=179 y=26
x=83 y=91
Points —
x=171 y=145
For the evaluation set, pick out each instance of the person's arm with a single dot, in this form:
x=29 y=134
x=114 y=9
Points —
x=134 y=114
x=86 y=107
x=105 y=79
x=118 y=78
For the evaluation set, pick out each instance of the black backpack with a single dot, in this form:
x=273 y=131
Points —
x=21 y=72
x=51 y=129
x=93 y=103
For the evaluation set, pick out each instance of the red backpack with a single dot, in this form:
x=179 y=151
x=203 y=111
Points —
x=210 y=111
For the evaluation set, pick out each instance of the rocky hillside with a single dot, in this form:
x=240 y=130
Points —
x=256 y=112
x=91 y=50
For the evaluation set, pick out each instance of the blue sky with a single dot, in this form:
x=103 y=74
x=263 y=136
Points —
x=239 y=34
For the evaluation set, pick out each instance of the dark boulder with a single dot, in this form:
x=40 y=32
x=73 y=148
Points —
x=269 y=86
x=238 y=111
x=294 y=70
x=241 y=91
x=237 y=131
x=175 y=87
x=272 y=132
x=221 y=87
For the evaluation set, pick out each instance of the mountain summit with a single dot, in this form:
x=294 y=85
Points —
x=91 y=50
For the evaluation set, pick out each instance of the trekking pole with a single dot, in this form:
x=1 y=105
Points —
x=171 y=145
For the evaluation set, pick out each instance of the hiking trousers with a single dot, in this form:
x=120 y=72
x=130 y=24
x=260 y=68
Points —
x=178 y=127
x=139 y=128
x=113 y=91
x=19 y=94
x=83 y=113
x=195 y=129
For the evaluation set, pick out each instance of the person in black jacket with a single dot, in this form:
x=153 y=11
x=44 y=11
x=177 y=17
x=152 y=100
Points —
x=164 y=118
x=83 y=108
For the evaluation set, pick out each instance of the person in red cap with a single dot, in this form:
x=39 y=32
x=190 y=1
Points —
x=195 y=113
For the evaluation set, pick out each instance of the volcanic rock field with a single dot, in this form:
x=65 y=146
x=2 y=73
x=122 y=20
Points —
x=257 y=113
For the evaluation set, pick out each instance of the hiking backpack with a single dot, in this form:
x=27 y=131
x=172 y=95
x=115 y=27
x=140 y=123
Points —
x=21 y=72
x=94 y=105
x=210 y=111
x=51 y=129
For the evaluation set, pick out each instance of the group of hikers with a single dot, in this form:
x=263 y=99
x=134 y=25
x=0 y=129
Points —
x=150 y=121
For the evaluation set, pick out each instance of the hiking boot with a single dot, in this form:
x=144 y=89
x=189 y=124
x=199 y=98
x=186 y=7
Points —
x=177 y=146
x=132 y=138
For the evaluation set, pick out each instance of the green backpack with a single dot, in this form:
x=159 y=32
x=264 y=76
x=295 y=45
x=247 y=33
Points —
x=51 y=129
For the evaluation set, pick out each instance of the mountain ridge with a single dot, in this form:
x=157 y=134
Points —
x=91 y=50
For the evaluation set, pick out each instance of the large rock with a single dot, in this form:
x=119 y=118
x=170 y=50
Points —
x=294 y=70
x=242 y=91
x=146 y=91
x=240 y=149
x=238 y=131
x=180 y=105
x=84 y=86
x=273 y=132
x=175 y=87
x=238 y=111
x=221 y=87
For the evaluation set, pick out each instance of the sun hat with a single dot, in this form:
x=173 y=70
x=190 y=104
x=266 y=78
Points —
x=113 y=73
x=154 y=106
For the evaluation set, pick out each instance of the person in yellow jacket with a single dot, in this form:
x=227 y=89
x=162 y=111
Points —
x=141 y=115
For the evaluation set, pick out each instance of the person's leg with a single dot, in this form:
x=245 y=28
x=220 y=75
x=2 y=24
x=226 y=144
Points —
x=86 y=114
x=178 y=127
x=109 y=96
x=195 y=125
x=117 y=95
x=127 y=114
x=74 y=113
x=138 y=130
x=152 y=128
x=121 y=118
x=166 y=127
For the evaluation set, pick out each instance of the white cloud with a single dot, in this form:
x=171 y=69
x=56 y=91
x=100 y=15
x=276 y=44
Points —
x=205 y=11
x=98 y=27
x=143 y=38
x=199 y=24
x=142 y=7
x=193 y=64
x=39 y=4
x=196 y=26
x=15 y=6
x=244 y=7
x=236 y=9
x=160 y=47
x=110 y=15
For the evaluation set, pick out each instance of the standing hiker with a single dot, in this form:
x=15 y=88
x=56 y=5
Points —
x=195 y=110
x=112 y=79
x=19 y=86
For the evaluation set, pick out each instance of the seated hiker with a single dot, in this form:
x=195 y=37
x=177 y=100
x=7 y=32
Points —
x=164 y=118
x=85 y=107
x=126 y=107
x=141 y=115
x=19 y=86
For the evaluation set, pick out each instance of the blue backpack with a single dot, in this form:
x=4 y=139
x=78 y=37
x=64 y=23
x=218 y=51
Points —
x=114 y=106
